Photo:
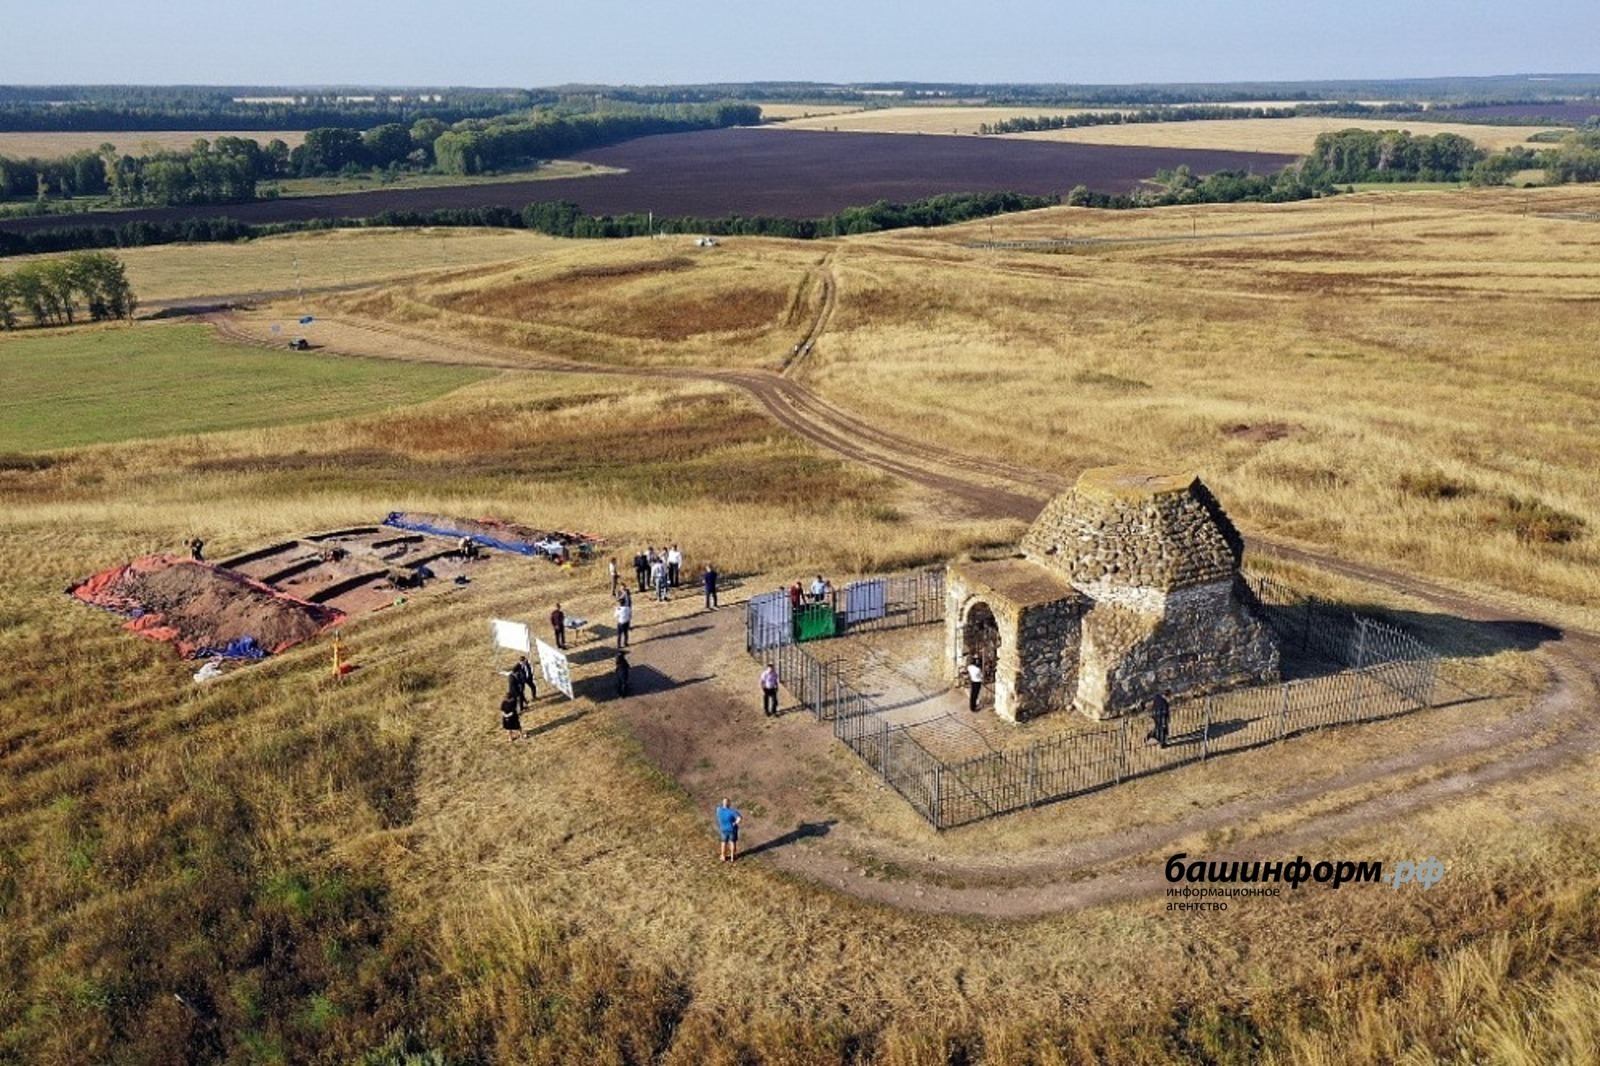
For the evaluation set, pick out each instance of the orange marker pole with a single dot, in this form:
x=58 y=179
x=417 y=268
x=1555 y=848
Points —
x=338 y=657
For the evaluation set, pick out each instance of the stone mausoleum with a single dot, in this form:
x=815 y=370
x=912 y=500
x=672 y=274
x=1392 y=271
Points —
x=1128 y=586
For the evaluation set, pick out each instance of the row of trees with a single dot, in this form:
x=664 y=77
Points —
x=1188 y=113
x=66 y=108
x=53 y=290
x=472 y=148
x=1183 y=186
x=1365 y=155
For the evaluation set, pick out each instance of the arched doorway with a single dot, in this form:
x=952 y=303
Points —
x=980 y=636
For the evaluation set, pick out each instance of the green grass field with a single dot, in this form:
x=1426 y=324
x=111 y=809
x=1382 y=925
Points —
x=98 y=385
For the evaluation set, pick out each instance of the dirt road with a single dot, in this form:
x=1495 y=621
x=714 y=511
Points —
x=799 y=835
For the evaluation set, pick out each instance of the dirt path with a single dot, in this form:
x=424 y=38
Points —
x=688 y=734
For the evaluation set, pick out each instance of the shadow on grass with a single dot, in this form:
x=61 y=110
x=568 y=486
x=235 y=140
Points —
x=553 y=724
x=803 y=831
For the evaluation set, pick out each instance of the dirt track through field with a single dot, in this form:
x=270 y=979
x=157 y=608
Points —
x=1117 y=866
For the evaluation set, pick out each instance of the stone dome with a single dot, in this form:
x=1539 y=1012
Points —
x=1131 y=528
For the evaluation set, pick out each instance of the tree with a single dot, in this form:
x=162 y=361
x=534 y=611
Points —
x=387 y=145
x=328 y=150
x=8 y=302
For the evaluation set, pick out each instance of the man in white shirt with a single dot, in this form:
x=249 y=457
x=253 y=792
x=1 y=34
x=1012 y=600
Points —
x=624 y=618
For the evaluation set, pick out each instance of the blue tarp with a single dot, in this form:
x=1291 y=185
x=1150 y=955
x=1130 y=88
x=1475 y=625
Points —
x=399 y=521
x=242 y=648
x=865 y=600
x=767 y=622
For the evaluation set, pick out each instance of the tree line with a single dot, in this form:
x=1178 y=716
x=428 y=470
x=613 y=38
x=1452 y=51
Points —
x=561 y=219
x=135 y=108
x=52 y=290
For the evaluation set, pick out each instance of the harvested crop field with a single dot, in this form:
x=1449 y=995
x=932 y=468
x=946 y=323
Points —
x=730 y=295
x=53 y=145
x=747 y=171
x=1282 y=135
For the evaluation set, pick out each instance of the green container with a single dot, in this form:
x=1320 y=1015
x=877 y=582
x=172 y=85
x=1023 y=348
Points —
x=814 y=621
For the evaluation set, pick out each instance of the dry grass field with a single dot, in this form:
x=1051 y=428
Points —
x=1290 y=136
x=281 y=867
x=1286 y=136
x=56 y=145
x=942 y=118
x=321 y=260
x=931 y=119
x=1447 y=324
x=789 y=112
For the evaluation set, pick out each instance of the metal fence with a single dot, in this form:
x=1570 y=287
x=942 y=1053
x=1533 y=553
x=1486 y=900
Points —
x=1384 y=672
x=773 y=619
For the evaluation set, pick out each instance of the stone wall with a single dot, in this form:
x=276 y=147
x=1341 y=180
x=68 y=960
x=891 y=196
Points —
x=1047 y=659
x=1204 y=640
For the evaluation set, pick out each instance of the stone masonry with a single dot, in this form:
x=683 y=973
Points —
x=1128 y=586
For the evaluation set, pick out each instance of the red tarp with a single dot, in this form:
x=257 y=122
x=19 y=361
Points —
x=204 y=610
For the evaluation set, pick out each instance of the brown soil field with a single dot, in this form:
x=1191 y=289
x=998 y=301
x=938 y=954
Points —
x=798 y=174
x=1562 y=111
x=56 y=145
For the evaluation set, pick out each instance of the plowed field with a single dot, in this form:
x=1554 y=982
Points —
x=786 y=174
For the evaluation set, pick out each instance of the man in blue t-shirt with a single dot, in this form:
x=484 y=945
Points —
x=728 y=827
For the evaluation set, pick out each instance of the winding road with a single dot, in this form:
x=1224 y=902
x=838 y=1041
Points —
x=1556 y=731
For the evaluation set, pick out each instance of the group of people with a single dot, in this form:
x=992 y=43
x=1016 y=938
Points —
x=660 y=571
x=520 y=690
x=820 y=591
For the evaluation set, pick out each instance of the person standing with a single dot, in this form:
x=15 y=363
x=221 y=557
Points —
x=511 y=719
x=728 y=828
x=709 y=581
x=616 y=578
x=796 y=597
x=641 y=569
x=974 y=682
x=1160 y=719
x=558 y=625
x=674 y=565
x=658 y=575
x=518 y=681
x=522 y=680
x=769 y=691
x=623 y=673
x=819 y=589
x=624 y=618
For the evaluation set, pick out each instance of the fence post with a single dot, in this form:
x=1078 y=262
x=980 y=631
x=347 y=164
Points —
x=1122 y=752
x=883 y=756
x=1033 y=771
x=1359 y=660
x=838 y=685
x=1305 y=635
x=1205 y=729
x=1283 y=713
x=938 y=795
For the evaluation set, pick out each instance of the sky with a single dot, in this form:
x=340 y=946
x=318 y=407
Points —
x=536 y=43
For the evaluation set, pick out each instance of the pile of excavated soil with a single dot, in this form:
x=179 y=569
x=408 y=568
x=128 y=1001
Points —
x=203 y=610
